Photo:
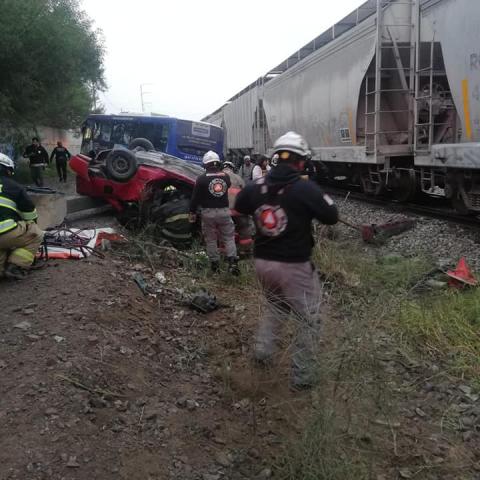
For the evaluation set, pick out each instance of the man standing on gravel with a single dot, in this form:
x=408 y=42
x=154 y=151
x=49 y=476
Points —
x=210 y=194
x=38 y=157
x=283 y=206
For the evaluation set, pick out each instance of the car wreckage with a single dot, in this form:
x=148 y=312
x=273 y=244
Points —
x=143 y=186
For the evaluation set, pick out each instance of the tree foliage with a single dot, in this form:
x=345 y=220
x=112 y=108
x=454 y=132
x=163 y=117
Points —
x=51 y=63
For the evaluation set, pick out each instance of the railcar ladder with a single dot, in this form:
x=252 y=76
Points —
x=396 y=33
x=423 y=128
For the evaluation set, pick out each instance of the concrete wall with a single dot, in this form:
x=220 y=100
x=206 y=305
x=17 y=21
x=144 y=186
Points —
x=49 y=137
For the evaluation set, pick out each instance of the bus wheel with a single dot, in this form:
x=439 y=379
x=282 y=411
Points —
x=141 y=144
x=121 y=165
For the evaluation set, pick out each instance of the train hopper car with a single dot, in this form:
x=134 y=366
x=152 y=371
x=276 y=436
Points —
x=388 y=99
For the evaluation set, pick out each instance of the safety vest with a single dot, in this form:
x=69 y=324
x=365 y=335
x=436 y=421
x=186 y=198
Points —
x=10 y=213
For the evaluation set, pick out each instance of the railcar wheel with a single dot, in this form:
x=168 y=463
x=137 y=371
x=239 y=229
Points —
x=369 y=187
x=404 y=186
x=459 y=204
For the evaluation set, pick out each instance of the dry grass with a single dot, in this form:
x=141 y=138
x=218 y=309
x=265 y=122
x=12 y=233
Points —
x=377 y=316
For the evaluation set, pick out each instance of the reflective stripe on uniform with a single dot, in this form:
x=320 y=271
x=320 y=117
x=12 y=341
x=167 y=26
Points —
x=7 y=203
x=7 y=225
x=24 y=254
x=179 y=216
x=29 y=215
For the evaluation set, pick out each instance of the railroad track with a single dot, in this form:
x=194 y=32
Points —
x=441 y=213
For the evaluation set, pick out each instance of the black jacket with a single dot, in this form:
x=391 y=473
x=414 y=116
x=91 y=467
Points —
x=283 y=206
x=210 y=191
x=15 y=205
x=61 y=154
x=37 y=155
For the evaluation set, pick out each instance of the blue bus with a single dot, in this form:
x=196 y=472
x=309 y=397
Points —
x=184 y=139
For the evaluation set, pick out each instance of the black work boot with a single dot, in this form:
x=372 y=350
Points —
x=13 y=272
x=215 y=266
x=233 y=266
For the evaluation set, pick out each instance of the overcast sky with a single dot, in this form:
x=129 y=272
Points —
x=195 y=54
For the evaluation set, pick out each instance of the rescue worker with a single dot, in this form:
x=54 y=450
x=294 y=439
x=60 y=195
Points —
x=246 y=169
x=20 y=236
x=210 y=194
x=62 y=155
x=242 y=222
x=284 y=205
x=38 y=157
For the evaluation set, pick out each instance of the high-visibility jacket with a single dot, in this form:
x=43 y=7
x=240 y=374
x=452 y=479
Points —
x=15 y=205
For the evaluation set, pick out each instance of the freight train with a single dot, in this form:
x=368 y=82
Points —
x=388 y=99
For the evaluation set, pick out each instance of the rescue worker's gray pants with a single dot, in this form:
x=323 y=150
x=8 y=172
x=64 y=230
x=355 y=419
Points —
x=37 y=175
x=217 y=226
x=290 y=288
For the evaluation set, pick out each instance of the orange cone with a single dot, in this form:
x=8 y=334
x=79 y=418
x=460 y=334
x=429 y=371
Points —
x=462 y=275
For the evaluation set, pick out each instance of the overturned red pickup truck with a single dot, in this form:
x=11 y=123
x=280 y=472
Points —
x=143 y=186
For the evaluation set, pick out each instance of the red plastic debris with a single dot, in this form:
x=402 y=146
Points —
x=462 y=275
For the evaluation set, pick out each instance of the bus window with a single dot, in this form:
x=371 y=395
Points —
x=122 y=133
x=156 y=132
x=103 y=132
x=160 y=138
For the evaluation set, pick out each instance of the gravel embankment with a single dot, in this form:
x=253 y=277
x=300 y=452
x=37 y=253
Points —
x=442 y=240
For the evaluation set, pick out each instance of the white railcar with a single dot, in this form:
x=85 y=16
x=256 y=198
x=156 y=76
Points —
x=388 y=98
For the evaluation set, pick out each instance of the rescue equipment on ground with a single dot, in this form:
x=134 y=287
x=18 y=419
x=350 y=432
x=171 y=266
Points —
x=75 y=243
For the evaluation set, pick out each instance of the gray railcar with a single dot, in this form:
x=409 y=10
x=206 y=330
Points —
x=388 y=98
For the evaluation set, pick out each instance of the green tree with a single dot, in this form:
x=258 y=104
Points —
x=51 y=62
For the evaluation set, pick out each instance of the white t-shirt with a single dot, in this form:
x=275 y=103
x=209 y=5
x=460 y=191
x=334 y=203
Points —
x=257 y=172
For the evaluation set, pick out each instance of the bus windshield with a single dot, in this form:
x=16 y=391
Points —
x=184 y=139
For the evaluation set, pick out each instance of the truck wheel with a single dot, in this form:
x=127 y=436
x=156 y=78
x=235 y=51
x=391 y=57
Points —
x=121 y=165
x=141 y=144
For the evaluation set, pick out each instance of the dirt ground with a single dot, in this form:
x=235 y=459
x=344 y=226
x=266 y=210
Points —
x=99 y=381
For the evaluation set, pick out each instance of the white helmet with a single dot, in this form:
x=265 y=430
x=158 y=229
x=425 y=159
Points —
x=228 y=164
x=6 y=161
x=246 y=157
x=291 y=142
x=210 y=157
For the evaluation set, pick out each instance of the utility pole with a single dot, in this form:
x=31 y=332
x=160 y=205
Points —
x=142 y=95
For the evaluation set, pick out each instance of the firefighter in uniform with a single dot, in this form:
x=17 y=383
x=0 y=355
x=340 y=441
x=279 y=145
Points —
x=283 y=205
x=38 y=160
x=20 y=236
x=242 y=222
x=61 y=155
x=210 y=194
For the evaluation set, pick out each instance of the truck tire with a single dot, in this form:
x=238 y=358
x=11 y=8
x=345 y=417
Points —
x=121 y=165
x=141 y=144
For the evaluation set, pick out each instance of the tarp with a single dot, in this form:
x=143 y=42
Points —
x=74 y=243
